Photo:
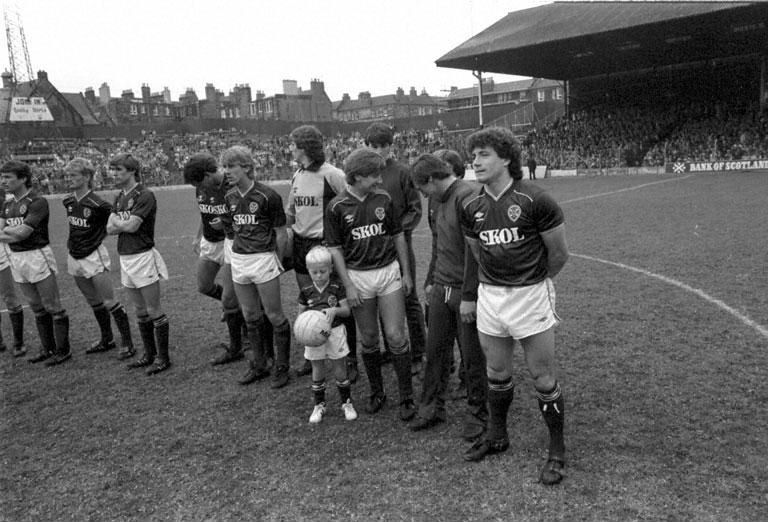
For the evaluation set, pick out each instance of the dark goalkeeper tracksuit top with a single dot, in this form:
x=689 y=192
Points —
x=449 y=252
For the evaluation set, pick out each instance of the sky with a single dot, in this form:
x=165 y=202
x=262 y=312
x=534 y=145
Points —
x=352 y=46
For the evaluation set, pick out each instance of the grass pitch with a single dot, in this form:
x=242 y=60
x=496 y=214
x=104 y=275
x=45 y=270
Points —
x=664 y=388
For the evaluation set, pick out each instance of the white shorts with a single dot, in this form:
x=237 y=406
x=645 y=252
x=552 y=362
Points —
x=255 y=268
x=377 y=282
x=516 y=311
x=32 y=266
x=94 y=263
x=211 y=251
x=4 y=261
x=334 y=348
x=228 y=251
x=144 y=269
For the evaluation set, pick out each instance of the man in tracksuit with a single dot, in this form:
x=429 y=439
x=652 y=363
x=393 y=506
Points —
x=451 y=289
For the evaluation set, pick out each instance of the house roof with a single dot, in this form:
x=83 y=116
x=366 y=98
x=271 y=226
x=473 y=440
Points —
x=77 y=101
x=501 y=87
x=566 y=40
x=385 y=100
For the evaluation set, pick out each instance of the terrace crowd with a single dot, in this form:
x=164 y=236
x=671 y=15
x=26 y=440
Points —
x=163 y=156
x=607 y=136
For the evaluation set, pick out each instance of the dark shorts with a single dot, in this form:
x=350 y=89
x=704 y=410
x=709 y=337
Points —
x=302 y=245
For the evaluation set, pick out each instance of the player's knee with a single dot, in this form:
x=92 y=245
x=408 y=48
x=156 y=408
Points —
x=369 y=348
x=252 y=314
x=369 y=337
x=399 y=349
x=154 y=311
x=275 y=317
x=498 y=373
x=38 y=310
x=544 y=383
x=395 y=337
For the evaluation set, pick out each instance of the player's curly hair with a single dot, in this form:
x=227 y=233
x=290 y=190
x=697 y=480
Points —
x=454 y=159
x=378 y=135
x=309 y=139
x=82 y=166
x=18 y=169
x=362 y=163
x=319 y=255
x=198 y=166
x=239 y=154
x=130 y=163
x=428 y=167
x=503 y=142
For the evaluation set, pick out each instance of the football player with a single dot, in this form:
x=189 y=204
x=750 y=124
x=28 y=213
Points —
x=88 y=260
x=258 y=221
x=24 y=227
x=366 y=240
x=313 y=186
x=517 y=233
x=406 y=204
x=141 y=265
x=8 y=294
x=213 y=245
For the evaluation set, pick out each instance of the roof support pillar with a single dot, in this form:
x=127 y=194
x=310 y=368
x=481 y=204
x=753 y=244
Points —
x=479 y=76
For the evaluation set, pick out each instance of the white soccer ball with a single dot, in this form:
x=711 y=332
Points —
x=311 y=328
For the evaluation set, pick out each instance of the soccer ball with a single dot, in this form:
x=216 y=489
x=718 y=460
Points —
x=311 y=328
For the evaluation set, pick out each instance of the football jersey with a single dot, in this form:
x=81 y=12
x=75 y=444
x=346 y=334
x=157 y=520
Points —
x=363 y=228
x=310 y=194
x=255 y=215
x=406 y=200
x=210 y=202
x=31 y=210
x=318 y=299
x=87 y=219
x=508 y=230
x=140 y=202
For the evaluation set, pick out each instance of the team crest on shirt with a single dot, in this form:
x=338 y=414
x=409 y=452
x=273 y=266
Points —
x=23 y=209
x=70 y=209
x=379 y=213
x=479 y=217
x=232 y=207
x=213 y=200
x=332 y=301
x=253 y=207
x=86 y=213
x=349 y=219
x=513 y=212
x=200 y=198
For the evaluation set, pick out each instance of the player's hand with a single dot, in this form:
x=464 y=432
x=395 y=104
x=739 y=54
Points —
x=428 y=292
x=216 y=224
x=353 y=296
x=468 y=311
x=407 y=284
x=330 y=314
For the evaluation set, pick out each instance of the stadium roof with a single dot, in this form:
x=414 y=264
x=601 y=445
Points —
x=567 y=40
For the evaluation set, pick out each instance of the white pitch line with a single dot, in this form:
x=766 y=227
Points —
x=762 y=330
x=583 y=198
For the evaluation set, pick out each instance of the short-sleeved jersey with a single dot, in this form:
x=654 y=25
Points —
x=210 y=202
x=363 y=228
x=508 y=230
x=318 y=299
x=87 y=219
x=310 y=194
x=140 y=202
x=32 y=210
x=255 y=215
